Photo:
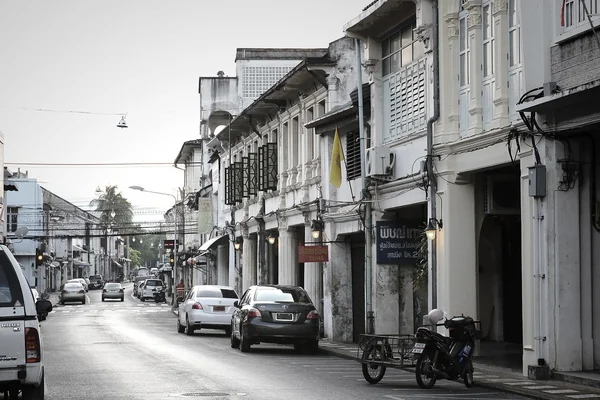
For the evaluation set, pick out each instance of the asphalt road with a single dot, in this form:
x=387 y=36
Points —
x=132 y=350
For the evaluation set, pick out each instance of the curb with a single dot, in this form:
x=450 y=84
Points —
x=478 y=383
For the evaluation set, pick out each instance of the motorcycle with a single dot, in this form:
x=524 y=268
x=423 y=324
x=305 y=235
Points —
x=159 y=296
x=445 y=357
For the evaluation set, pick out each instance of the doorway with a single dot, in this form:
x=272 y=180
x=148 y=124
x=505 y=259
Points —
x=357 y=255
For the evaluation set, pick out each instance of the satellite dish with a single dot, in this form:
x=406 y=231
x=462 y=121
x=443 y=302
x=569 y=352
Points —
x=21 y=231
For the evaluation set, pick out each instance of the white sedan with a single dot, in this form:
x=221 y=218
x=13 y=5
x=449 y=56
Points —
x=206 y=306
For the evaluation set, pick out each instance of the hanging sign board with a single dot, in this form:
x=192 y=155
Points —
x=398 y=242
x=307 y=254
x=205 y=215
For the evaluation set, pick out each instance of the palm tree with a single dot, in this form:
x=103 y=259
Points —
x=114 y=209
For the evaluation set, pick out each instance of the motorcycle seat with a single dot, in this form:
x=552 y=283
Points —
x=434 y=335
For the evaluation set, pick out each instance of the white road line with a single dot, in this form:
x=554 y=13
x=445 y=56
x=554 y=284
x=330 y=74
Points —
x=543 y=387
x=584 y=396
x=561 y=391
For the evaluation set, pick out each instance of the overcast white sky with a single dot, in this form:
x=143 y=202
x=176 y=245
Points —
x=140 y=57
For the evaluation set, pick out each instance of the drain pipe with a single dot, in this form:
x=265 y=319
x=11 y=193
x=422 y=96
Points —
x=430 y=174
x=370 y=320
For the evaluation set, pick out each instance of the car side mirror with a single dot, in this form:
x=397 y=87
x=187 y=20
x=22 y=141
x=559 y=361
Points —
x=43 y=306
x=236 y=304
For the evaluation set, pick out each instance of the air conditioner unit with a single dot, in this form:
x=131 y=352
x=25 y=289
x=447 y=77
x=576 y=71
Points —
x=380 y=162
x=502 y=194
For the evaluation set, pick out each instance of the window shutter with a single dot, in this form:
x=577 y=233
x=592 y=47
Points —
x=245 y=177
x=353 y=167
x=271 y=166
x=238 y=183
x=262 y=170
x=253 y=174
x=228 y=186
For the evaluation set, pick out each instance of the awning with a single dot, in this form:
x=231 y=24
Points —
x=80 y=249
x=117 y=264
x=81 y=264
x=201 y=258
x=214 y=242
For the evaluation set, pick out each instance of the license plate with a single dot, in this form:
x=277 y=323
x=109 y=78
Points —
x=284 y=316
x=218 y=308
x=418 y=348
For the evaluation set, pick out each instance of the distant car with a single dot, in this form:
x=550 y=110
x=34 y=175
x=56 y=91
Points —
x=150 y=286
x=72 y=292
x=82 y=281
x=143 y=271
x=154 y=271
x=96 y=282
x=206 y=306
x=113 y=290
x=275 y=314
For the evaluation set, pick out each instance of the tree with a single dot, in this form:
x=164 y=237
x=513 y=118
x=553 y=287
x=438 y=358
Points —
x=114 y=209
x=134 y=256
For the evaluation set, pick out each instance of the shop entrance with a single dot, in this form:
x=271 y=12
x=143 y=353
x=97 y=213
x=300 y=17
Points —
x=357 y=244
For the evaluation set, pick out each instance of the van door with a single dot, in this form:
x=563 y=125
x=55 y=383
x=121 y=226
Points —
x=12 y=316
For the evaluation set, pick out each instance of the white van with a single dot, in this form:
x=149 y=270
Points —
x=142 y=271
x=21 y=355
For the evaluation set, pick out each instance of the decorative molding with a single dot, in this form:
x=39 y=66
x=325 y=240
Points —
x=474 y=18
x=423 y=33
x=499 y=6
x=333 y=82
x=452 y=29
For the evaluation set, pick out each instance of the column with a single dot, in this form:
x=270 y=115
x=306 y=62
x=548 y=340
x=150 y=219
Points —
x=313 y=277
x=448 y=52
x=456 y=246
x=223 y=265
x=288 y=258
x=337 y=293
x=249 y=259
x=476 y=75
x=500 y=21
x=272 y=264
x=261 y=255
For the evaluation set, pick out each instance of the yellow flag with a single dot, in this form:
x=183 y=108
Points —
x=337 y=155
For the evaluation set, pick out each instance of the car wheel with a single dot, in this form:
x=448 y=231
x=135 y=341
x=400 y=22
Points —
x=188 y=329
x=312 y=347
x=34 y=393
x=244 y=343
x=142 y=299
x=228 y=331
x=123 y=298
x=83 y=301
x=235 y=342
x=180 y=328
x=103 y=299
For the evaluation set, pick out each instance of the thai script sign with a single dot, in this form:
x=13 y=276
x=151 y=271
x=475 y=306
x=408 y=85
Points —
x=313 y=254
x=398 y=242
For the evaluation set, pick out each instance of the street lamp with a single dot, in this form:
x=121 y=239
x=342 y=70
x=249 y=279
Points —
x=141 y=189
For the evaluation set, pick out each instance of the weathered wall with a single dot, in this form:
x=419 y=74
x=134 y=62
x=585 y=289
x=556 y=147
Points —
x=575 y=62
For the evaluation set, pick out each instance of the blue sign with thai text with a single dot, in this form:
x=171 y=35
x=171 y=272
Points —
x=398 y=242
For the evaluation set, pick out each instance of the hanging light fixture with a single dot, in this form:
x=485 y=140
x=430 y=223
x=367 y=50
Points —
x=237 y=243
x=271 y=239
x=133 y=239
x=317 y=227
x=432 y=226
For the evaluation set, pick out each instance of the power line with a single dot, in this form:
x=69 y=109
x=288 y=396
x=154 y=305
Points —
x=115 y=164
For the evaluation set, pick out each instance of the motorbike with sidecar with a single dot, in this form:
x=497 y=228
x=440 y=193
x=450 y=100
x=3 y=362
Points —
x=429 y=354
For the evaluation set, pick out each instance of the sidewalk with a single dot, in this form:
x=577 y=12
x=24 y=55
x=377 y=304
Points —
x=580 y=385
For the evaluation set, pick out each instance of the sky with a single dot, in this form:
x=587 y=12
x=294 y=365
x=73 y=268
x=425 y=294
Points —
x=71 y=68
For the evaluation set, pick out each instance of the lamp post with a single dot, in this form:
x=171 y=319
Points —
x=141 y=189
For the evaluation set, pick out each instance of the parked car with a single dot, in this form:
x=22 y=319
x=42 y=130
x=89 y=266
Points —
x=150 y=286
x=113 y=290
x=72 y=292
x=82 y=281
x=96 y=282
x=206 y=306
x=21 y=346
x=275 y=314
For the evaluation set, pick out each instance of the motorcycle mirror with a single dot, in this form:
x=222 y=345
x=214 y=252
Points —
x=435 y=315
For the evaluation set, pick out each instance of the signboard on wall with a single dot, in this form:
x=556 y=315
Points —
x=398 y=242
x=205 y=217
x=308 y=254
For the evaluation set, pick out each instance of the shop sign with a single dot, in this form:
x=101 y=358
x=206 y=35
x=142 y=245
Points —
x=307 y=254
x=398 y=242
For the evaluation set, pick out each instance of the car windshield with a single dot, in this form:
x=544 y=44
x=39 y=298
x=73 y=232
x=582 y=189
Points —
x=292 y=295
x=153 y=283
x=73 y=285
x=112 y=286
x=217 y=293
x=95 y=277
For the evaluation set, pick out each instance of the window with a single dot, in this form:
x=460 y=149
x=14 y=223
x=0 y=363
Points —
x=256 y=80
x=291 y=295
x=295 y=147
x=401 y=48
x=353 y=167
x=12 y=218
x=286 y=143
x=573 y=12
x=310 y=115
x=515 y=67
x=464 y=73
x=487 y=67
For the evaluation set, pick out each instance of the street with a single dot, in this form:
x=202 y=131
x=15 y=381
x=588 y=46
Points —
x=131 y=350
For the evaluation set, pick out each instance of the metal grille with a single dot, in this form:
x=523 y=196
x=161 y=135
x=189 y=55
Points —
x=228 y=186
x=353 y=168
x=262 y=168
x=245 y=177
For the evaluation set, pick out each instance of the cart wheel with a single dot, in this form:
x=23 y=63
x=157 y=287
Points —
x=468 y=375
x=373 y=372
x=425 y=377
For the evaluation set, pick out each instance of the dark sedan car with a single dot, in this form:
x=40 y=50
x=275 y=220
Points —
x=275 y=314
